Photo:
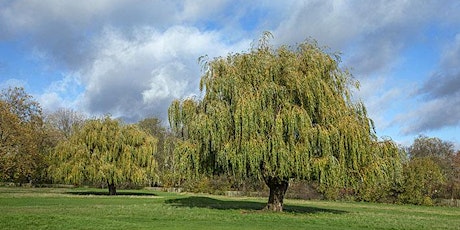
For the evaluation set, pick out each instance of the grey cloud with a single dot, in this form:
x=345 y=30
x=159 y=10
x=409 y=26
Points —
x=139 y=74
x=432 y=115
x=133 y=58
x=64 y=30
x=440 y=95
x=122 y=50
x=371 y=34
x=372 y=55
x=445 y=82
x=442 y=84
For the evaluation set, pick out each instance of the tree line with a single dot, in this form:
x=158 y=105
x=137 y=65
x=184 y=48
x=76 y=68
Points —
x=268 y=115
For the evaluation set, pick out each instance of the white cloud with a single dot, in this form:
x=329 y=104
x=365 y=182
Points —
x=132 y=58
x=63 y=93
x=137 y=74
x=163 y=83
x=12 y=82
x=440 y=96
x=431 y=115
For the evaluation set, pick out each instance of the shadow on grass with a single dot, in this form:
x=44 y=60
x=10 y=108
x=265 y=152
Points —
x=206 y=202
x=103 y=193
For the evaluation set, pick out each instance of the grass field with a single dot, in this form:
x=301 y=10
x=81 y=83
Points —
x=60 y=208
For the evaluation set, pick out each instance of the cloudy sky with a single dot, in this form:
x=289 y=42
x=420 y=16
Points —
x=131 y=58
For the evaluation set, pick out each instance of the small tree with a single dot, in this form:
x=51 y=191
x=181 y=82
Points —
x=105 y=151
x=423 y=178
x=281 y=114
x=441 y=153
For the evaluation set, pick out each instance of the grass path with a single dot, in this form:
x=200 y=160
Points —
x=51 y=208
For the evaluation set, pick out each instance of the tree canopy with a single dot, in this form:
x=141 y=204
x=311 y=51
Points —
x=277 y=114
x=65 y=121
x=422 y=180
x=105 y=151
x=442 y=154
x=22 y=137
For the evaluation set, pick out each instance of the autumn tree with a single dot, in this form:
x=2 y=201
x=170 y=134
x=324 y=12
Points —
x=456 y=176
x=441 y=153
x=23 y=105
x=277 y=114
x=432 y=147
x=105 y=151
x=423 y=179
x=22 y=137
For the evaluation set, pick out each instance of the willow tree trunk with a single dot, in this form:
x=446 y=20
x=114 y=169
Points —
x=112 y=189
x=278 y=187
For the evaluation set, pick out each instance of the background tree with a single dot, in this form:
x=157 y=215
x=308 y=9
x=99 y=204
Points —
x=23 y=139
x=105 y=151
x=22 y=105
x=423 y=179
x=65 y=121
x=153 y=127
x=281 y=114
x=432 y=147
x=441 y=153
x=166 y=164
x=456 y=176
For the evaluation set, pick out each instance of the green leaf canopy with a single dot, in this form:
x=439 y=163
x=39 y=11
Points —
x=105 y=151
x=284 y=113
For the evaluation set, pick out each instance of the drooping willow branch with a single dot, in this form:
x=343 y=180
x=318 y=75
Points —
x=285 y=113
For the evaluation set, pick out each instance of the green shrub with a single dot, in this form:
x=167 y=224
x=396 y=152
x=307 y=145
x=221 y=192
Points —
x=423 y=180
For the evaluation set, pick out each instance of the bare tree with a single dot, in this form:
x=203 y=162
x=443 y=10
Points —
x=66 y=120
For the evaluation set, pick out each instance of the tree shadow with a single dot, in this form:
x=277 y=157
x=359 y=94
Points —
x=206 y=202
x=106 y=193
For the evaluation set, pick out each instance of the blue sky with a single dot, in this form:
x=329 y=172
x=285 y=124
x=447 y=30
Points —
x=131 y=58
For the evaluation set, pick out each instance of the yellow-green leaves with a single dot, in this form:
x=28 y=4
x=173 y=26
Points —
x=105 y=151
x=283 y=113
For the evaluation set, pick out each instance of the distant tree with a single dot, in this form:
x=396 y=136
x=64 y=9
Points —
x=170 y=176
x=65 y=121
x=166 y=165
x=440 y=152
x=105 y=151
x=433 y=147
x=423 y=179
x=152 y=126
x=22 y=137
x=281 y=114
x=456 y=176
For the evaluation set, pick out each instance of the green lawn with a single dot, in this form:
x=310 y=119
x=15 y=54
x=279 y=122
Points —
x=59 y=208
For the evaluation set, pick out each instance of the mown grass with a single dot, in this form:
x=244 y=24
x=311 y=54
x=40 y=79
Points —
x=59 y=208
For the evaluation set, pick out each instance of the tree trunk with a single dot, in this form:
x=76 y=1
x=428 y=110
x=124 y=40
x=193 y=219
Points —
x=112 y=189
x=278 y=187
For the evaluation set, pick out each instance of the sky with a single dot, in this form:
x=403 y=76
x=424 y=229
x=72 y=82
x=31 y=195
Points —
x=130 y=59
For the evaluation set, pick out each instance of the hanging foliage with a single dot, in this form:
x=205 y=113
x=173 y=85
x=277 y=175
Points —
x=105 y=151
x=278 y=114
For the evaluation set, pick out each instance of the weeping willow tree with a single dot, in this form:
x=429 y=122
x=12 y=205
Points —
x=278 y=114
x=105 y=151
